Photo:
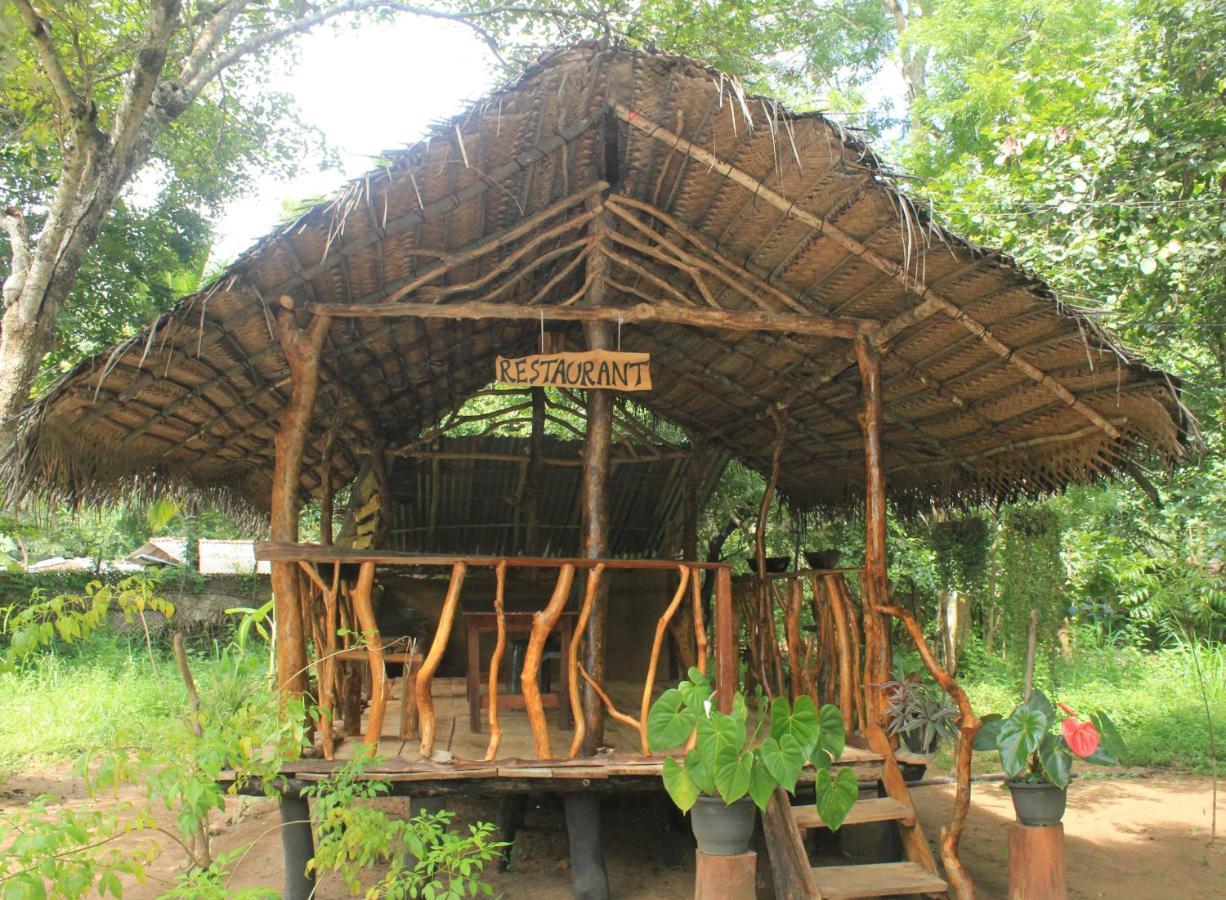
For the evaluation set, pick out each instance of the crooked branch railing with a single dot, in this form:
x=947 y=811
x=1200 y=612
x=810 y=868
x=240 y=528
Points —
x=337 y=588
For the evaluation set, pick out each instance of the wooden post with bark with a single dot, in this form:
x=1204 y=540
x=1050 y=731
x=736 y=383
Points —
x=301 y=347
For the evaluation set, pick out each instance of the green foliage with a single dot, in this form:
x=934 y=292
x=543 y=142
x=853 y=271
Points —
x=47 y=850
x=731 y=760
x=352 y=836
x=211 y=882
x=73 y=617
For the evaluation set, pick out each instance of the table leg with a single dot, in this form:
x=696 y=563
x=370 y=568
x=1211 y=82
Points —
x=474 y=678
x=568 y=631
x=408 y=700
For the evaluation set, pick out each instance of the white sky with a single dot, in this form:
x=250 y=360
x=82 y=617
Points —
x=343 y=83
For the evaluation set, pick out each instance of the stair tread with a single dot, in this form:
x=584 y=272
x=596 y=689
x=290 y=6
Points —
x=875 y=880
x=877 y=809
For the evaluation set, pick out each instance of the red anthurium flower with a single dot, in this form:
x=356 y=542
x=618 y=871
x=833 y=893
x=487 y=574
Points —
x=1081 y=737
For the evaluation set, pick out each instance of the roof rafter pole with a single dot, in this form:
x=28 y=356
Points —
x=876 y=580
x=595 y=502
x=301 y=346
x=662 y=313
x=849 y=243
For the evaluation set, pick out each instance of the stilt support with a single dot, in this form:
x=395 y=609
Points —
x=589 y=880
x=298 y=845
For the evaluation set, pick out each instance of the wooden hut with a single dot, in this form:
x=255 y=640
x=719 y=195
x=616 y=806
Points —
x=800 y=313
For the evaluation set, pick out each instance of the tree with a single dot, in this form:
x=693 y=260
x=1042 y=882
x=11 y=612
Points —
x=95 y=92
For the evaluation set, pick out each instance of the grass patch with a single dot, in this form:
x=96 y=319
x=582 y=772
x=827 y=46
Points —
x=70 y=700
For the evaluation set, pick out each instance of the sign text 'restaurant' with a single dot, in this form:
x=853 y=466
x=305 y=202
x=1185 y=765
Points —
x=588 y=370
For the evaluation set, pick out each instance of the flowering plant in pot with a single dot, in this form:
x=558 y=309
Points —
x=737 y=759
x=1038 y=761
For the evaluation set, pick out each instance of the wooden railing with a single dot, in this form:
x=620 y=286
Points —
x=826 y=662
x=338 y=603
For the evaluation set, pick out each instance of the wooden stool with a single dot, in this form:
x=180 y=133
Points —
x=1036 y=862
x=725 y=877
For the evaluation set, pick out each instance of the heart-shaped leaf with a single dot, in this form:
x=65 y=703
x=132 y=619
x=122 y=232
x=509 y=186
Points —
x=700 y=771
x=1056 y=761
x=761 y=786
x=831 y=736
x=1020 y=735
x=783 y=758
x=836 y=796
x=732 y=772
x=669 y=721
x=988 y=735
x=798 y=720
x=721 y=732
x=679 y=785
x=1038 y=702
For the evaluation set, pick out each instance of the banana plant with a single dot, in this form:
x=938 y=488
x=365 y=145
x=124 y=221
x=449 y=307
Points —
x=739 y=753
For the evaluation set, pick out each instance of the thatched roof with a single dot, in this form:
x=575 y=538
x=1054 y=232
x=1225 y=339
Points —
x=719 y=201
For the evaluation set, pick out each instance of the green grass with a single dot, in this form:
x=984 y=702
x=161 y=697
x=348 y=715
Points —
x=1154 y=697
x=68 y=701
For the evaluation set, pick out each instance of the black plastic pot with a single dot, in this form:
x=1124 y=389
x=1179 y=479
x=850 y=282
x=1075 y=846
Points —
x=1040 y=803
x=723 y=830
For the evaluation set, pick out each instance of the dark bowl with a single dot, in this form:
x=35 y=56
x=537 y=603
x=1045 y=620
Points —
x=776 y=564
x=822 y=559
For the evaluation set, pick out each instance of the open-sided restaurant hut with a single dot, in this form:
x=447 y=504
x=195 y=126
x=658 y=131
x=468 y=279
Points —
x=799 y=313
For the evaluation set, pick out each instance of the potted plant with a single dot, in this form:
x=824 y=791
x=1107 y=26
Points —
x=1039 y=762
x=922 y=716
x=738 y=759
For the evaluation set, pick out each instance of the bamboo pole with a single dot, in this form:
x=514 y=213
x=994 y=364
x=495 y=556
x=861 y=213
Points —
x=500 y=586
x=656 y=645
x=365 y=612
x=572 y=659
x=543 y=622
x=425 y=697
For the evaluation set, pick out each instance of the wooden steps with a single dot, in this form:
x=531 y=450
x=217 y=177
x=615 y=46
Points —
x=880 y=809
x=876 y=880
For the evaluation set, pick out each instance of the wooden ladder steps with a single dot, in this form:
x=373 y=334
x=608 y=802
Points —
x=876 y=880
x=878 y=809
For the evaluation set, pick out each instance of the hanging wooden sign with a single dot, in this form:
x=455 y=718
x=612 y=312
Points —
x=587 y=370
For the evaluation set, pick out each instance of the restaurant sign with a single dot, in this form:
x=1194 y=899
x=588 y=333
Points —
x=587 y=370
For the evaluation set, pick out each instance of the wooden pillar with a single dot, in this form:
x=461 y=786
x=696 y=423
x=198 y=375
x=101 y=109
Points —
x=726 y=662
x=1036 y=862
x=536 y=448
x=596 y=452
x=297 y=847
x=876 y=586
x=301 y=346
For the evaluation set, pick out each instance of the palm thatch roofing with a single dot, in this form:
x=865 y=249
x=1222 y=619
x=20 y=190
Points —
x=717 y=203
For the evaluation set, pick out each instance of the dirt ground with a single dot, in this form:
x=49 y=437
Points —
x=1134 y=838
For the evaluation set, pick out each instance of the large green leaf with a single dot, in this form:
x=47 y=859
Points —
x=700 y=771
x=732 y=771
x=679 y=785
x=1112 y=745
x=1038 y=702
x=719 y=733
x=695 y=692
x=988 y=735
x=669 y=721
x=783 y=758
x=1057 y=762
x=761 y=785
x=1020 y=735
x=836 y=796
x=832 y=738
x=799 y=720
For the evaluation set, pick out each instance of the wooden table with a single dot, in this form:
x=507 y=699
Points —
x=486 y=622
x=395 y=651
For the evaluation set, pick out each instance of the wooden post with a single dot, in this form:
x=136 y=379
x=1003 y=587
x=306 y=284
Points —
x=364 y=610
x=656 y=645
x=536 y=448
x=596 y=531
x=500 y=593
x=726 y=662
x=1036 y=862
x=543 y=622
x=876 y=577
x=301 y=347
x=425 y=696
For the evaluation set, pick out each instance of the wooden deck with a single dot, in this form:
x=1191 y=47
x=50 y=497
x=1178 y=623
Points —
x=620 y=765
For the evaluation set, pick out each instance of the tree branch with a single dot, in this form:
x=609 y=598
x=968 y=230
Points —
x=19 y=242
x=146 y=73
x=70 y=102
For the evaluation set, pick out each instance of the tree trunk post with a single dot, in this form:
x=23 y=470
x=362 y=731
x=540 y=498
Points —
x=298 y=847
x=589 y=880
x=1036 y=862
x=301 y=347
x=876 y=564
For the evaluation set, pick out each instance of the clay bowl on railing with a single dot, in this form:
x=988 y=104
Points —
x=822 y=559
x=777 y=564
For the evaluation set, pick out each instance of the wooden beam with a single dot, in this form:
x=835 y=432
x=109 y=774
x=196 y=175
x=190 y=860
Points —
x=301 y=347
x=876 y=260
x=662 y=313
